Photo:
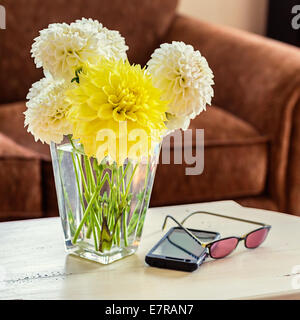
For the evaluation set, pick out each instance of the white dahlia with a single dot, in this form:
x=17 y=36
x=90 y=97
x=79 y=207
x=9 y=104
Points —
x=39 y=86
x=46 y=110
x=61 y=48
x=180 y=122
x=185 y=79
x=112 y=43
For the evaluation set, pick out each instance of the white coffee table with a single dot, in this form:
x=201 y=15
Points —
x=33 y=263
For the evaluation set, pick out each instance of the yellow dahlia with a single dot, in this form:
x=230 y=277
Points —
x=116 y=111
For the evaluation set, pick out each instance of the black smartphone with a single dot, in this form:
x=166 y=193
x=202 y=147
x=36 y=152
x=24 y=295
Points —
x=177 y=250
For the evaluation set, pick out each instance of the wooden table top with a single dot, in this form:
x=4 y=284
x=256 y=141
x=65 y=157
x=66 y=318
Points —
x=34 y=265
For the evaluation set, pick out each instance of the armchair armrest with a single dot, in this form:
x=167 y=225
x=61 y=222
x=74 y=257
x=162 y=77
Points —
x=10 y=149
x=257 y=79
x=20 y=181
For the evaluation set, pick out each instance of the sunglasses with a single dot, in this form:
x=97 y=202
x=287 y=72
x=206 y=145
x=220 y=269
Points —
x=223 y=247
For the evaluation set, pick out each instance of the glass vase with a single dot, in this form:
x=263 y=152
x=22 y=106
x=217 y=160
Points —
x=102 y=205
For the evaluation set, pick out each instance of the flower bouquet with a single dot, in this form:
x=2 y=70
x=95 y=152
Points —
x=104 y=119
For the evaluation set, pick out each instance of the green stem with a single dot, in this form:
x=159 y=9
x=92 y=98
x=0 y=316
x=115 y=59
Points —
x=130 y=181
x=86 y=195
x=77 y=180
x=89 y=207
x=118 y=200
x=94 y=233
x=136 y=218
x=124 y=207
x=125 y=227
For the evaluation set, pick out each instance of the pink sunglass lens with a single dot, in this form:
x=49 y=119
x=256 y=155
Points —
x=256 y=238
x=223 y=248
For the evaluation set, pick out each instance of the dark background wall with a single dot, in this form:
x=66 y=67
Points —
x=280 y=16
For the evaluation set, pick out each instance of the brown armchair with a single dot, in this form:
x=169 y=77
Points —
x=252 y=143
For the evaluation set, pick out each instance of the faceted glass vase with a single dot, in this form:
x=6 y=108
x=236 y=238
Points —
x=102 y=205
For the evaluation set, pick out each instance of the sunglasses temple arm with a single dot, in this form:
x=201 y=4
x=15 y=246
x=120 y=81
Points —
x=182 y=227
x=222 y=216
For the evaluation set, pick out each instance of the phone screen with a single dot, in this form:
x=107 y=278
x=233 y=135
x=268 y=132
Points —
x=178 y=244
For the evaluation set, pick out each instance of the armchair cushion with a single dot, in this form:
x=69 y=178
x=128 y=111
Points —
x=235 y=163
